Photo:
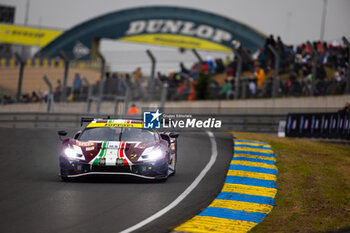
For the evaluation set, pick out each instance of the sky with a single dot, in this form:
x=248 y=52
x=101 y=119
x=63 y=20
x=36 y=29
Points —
x=295 y=21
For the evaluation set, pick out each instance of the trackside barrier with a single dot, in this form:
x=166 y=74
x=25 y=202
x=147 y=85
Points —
x=318 y=125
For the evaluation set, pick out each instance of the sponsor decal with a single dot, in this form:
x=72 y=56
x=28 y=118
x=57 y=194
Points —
x=140 y=147
x=13 y=34
x=80 y=50
x=133 y=156
x=187 y=28
x=132 y=125
x=89 y=148
x=84 y=143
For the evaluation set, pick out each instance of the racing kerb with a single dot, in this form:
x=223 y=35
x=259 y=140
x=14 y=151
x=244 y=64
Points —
x=247 y=195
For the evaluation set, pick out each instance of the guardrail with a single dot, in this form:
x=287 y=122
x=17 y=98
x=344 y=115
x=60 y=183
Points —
x=240 y=122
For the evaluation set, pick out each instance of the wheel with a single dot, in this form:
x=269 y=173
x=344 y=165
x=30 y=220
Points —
x=63 y=175
x=175 y=162
x=65 y=179
x=175 y=158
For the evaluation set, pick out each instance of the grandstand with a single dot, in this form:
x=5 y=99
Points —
x=36 y=69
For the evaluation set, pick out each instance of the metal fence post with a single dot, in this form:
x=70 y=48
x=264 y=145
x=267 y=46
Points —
x=244 y=88
x=127 y=97
x=88 y=104
x=20 y=77
x=314 y=66
x=235 y=46
x=275 y=73
x=50 y=99
x=100 y=87
x=200 y=60
x=153 y=69
x=65 y=77
x=163 y=97
x=124 y=98
x=347 y=88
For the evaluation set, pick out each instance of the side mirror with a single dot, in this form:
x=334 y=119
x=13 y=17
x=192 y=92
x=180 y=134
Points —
x=61 y=133
x=174 y=135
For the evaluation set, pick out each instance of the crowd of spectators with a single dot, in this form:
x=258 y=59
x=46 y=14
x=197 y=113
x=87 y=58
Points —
x=294 y=78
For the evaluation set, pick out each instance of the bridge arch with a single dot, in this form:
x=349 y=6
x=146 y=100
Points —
x=168 y=26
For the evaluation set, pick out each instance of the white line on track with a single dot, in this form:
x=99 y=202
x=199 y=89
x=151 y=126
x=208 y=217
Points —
x=214 y=154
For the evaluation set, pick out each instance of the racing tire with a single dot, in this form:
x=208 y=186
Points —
x=174 y=172
x=65 y=178
x=63 y=175
x=161 y=180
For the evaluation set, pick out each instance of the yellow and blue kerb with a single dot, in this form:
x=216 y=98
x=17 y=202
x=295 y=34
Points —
x=247 y=195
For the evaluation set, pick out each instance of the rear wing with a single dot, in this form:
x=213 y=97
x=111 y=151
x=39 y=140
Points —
x=90 y=119
x=85 y=119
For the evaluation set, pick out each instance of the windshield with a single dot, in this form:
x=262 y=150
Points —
x=117 y=134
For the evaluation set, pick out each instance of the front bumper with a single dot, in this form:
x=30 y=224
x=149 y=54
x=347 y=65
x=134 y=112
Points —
x=151 y=170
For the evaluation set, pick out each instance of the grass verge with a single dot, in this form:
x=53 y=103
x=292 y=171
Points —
x=313 y=183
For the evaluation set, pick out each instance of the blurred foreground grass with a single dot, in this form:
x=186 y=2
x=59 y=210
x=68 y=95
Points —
x=313 y=183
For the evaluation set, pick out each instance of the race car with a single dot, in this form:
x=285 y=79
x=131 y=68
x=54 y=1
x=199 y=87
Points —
x=118 y=147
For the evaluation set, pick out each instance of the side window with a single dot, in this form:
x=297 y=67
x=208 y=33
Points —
x=77 y=134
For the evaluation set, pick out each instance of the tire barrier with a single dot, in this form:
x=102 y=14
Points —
x=318 y=125
x=247 y=195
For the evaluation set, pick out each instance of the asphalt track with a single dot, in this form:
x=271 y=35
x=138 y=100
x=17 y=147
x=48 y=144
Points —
x=33 y=198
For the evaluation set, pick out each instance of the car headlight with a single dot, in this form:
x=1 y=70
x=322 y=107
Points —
x=70 y=153
x=151 y=154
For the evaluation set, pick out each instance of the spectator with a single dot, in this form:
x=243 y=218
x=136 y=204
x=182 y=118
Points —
x=320 y=72
x=58 y=90
x=226 y=90
x=345 y=109
x=133 y=110
x=260 y=75
x=77 y=84
x=252 y=87
x=34 y=97
x=137 y=73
